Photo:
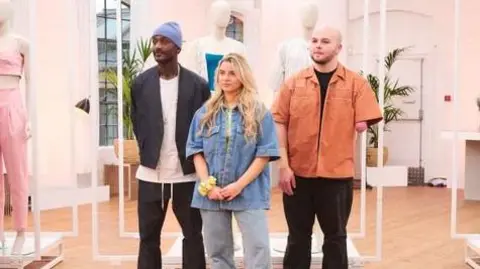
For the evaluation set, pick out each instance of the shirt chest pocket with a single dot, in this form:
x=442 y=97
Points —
x=241 y=143
x=302 y=106
x=340 y=104
x=211 y=139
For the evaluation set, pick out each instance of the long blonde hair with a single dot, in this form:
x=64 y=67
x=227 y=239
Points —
x=250 y=108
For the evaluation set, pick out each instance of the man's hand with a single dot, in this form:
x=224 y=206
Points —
x=231 y=191
x=361 y=126
x=215 y=194
x=287 y=181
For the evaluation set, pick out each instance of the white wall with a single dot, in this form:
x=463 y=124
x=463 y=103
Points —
x=428 y=25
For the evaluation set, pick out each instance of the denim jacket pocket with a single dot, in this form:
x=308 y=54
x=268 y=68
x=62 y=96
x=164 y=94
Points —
x=210 y=139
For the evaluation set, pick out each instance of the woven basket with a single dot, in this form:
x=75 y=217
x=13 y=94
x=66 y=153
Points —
x=130 y=151
x=372 y=156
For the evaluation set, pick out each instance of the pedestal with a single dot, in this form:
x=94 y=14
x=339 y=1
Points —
x=173 y=259
x=472 y=169
x=472 y=159
x=472 y=253
x=49 y=242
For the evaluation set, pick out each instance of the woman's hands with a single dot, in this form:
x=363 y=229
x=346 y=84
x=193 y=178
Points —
x=228 y=193
x=215 y=194
x=231 y=191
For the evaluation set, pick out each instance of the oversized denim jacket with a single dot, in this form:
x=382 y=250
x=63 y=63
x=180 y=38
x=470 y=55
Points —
x=229 y=161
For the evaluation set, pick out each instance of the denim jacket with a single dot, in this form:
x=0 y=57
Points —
x=227 y=162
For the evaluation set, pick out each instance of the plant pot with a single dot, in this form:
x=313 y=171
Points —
x=372 y=156
x=131 y=153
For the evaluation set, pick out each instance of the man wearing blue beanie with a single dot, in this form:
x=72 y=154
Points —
x=164 y=100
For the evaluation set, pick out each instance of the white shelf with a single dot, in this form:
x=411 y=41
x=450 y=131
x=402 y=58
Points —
x=462 y=135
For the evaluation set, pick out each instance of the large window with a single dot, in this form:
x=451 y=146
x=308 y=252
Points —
x=235 y=28
x=107 y=58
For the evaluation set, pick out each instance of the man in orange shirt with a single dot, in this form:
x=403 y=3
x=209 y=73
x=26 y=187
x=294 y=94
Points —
x=318 y=113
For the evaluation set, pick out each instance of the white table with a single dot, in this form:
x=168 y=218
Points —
x=472 y=162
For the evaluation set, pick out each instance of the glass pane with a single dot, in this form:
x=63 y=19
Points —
x=103 y=136
x=103 y=114
x=235 y=29
x=107 y=58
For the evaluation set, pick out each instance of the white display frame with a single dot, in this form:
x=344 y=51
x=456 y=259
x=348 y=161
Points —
x=71 y=74
x=113 y=258
x=454 y=188
x=377 y=257
x=169 y=261
x=120 y=159
x=53 y=240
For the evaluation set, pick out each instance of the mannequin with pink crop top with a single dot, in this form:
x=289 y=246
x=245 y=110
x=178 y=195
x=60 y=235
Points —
x=14 y=131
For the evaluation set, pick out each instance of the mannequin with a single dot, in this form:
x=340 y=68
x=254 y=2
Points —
x=293 y=56
x=13 y=126
x=203 y=54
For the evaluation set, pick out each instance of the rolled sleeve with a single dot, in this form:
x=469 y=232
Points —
x=267 y=144
x=281 y=105
x=194 y=143
x=366 y=105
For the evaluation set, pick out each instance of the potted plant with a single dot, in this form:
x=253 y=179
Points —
x=133 y=64
x=392 y=89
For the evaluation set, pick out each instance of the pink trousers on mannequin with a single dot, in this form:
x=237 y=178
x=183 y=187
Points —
x=13 y=151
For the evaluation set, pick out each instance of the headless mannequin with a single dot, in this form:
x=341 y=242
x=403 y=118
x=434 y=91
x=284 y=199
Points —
x=13 y=50
x=293 y=56
x=203 y=54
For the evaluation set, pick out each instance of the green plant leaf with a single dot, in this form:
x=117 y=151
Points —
x=391 y=90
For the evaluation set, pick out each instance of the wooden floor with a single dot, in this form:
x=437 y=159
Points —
x=416 y=230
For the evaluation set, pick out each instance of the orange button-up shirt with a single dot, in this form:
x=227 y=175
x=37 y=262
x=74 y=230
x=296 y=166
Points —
x=324 y=145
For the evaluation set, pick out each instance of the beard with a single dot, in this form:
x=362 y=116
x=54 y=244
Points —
x=324 y=61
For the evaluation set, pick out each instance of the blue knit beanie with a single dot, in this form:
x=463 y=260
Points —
x=172 y=31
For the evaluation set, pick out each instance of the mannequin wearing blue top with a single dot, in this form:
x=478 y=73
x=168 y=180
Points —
x=212 y=61
x=203 y=54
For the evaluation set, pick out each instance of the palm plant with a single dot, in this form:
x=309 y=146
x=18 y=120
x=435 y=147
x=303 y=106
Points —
x=132 y=65
x=392 y=89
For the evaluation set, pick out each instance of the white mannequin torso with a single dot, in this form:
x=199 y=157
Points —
x=194 y=54
x=213 y=46
x=293 y=55
x=11 y=43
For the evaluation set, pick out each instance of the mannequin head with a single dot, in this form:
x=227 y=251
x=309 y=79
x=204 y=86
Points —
x=6 y=11
x=308 y=14
x=220 y=12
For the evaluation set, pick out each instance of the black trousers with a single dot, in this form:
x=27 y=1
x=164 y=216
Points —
x=151 y=216
x=330 y=201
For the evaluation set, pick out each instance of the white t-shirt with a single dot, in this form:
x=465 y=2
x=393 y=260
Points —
x=169 y=169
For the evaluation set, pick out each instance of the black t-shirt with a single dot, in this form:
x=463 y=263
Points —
x=323 y=79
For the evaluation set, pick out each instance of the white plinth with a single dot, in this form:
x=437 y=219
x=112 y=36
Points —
x=470 y=167
x=472 y=253
x=388 y=176
x=173 y=259
x=54 y=198
x=48 y=243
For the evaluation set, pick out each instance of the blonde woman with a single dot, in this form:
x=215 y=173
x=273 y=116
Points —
x=231 y=140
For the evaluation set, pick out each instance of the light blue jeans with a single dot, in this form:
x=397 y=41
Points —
x=218 y=238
